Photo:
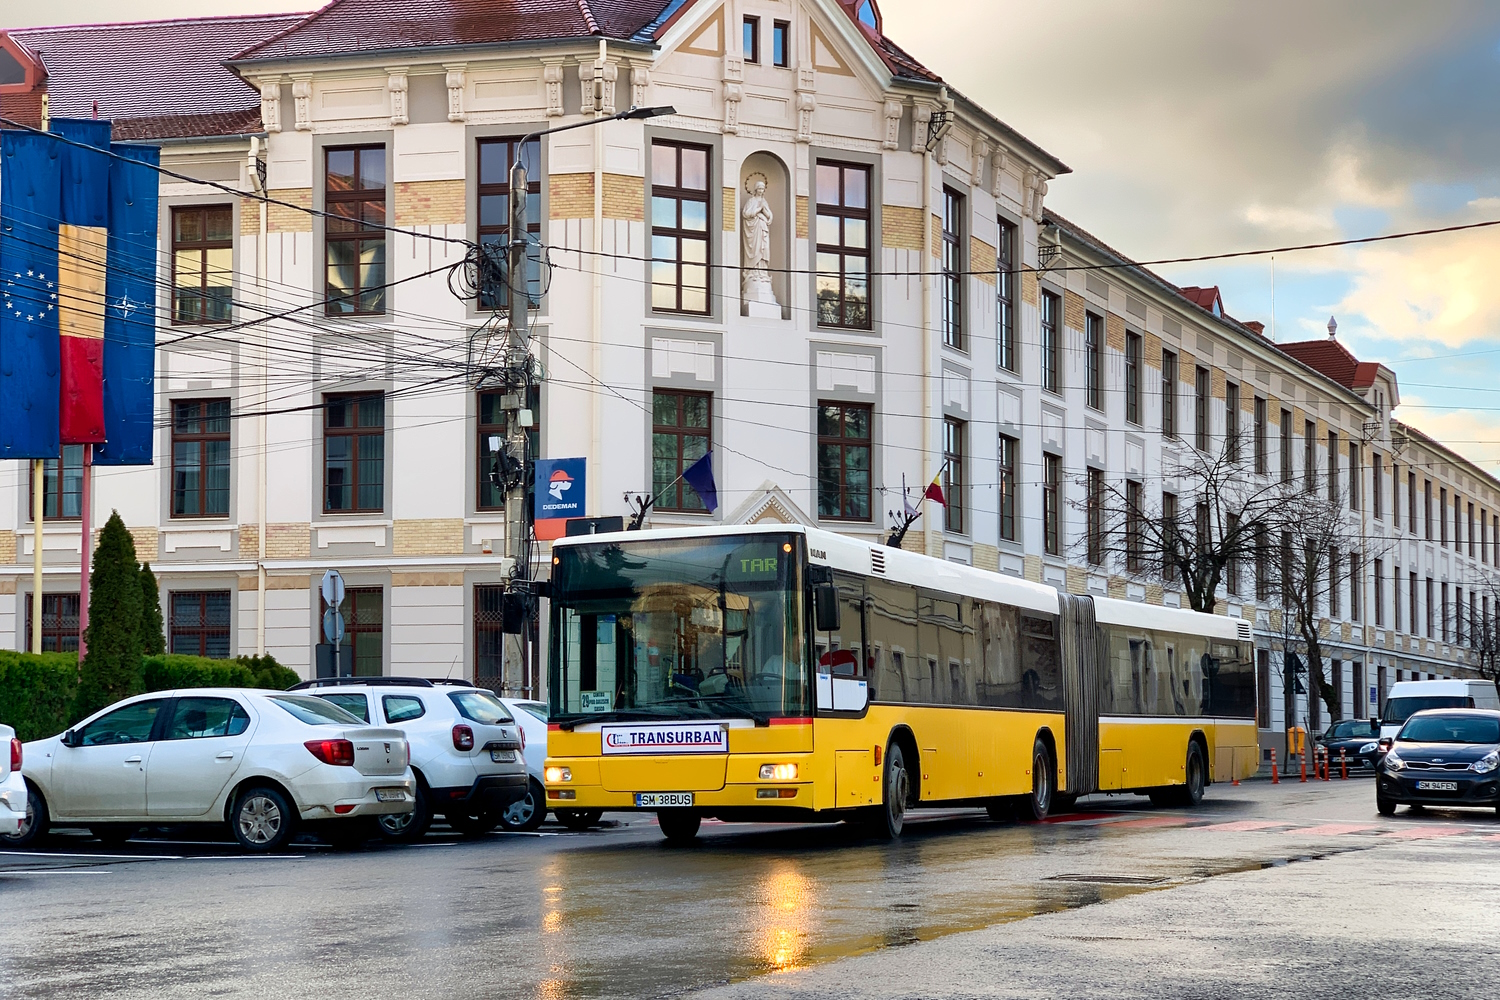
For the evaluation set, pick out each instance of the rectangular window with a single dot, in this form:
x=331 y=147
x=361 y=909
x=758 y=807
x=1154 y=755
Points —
x=1286 y=446
x=843 y=245
x=1133 y=377
x=1411 y=594
x=1443 y=613
x=1377 y=502
x=1051 y=483
x=1168 y=394
x=1169 y=535
x=59 y=622
x=353 y=453
x=490 y=434
x=1093 y=350
x=1354 y=586
x=1484 y=536
x=953 y=267
x=1411 y=505
x=752 y=39
x=1442 y=516
x=1458 y=541
x=1335 y=583
x=1379 y=592
x=1429 y=607
x=1005 y=297
x=781 y=33
x=202 y=264
x=1232 y=568
x=1458 y=615
x=1134 y=542
x=1396 y=599
x=200 y=458
x=680 y=435
x=1201 y=387
x=1309 y=456
x=1396 y=495
x=1051 y=307
x=1263 y=689
x=198 y=623
x=496 y=157
x=1355 y=474
x=1008 y=487
x=364 y=625
x=953 y=474
x=844 y=461
x=1259 y=441
x=60 y=502
x=1361 y=696
x=1333 y=466
x=1094 y=504
x=1262 y=565
x=354 y=230
x=1288 y=580
x=489 y=636
x=679 y=227
x=1232 y=421
x=1469 y=530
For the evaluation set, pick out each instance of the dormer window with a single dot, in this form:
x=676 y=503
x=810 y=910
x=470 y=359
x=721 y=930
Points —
x=867 y=15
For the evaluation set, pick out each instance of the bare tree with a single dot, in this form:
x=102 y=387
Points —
x=1484 y=633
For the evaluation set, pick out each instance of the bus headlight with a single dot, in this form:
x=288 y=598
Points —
x=778 y=772
x=554 y=775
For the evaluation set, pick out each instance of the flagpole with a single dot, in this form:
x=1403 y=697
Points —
x=85 y=514
x=38 y=478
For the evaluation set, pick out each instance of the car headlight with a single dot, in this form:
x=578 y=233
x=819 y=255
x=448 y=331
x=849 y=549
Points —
x=1370 y=747
x=1487 y=763
x=778 y=772
x=1393 y=762
x=555 y=775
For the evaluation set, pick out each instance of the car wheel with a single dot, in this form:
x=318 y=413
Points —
x=679 y=826
x=474 y=826
x=1387 y=807
x=578 y=819
x=34 y=825
x=262 y=819
x=888 y=819
x=113 y=834
x=407 y=828
x=526 y=813
x=1035 y=807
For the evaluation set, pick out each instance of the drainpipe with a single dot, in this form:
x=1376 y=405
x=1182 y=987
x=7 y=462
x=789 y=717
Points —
x=927 y=339
x=260 y=421
x=596 y=345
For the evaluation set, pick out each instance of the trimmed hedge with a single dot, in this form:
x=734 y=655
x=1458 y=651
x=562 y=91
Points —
x=39 y=693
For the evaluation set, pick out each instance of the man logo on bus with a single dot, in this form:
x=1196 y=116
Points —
x=560 y=484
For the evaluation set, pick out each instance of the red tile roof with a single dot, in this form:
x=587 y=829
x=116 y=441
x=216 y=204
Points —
x=1334 y=360
x=1205 y=297
x=139 y=70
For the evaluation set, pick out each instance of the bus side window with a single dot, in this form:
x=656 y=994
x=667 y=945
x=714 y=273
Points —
x=891 y=623
x=1041 y=675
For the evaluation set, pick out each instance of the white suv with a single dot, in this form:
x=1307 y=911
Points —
x=12 y=785
x=465 y=747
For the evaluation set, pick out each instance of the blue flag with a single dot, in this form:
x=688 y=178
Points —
x=700 y=476
x=30 y=203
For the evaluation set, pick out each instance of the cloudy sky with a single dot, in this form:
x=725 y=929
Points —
x=1197 y=128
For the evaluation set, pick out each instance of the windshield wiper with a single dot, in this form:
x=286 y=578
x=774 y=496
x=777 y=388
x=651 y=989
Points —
x=610 y=716
x=715 y=703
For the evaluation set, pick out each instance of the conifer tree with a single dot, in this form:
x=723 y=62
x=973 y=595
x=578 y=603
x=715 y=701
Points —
x=153 y=635
x=112 y=668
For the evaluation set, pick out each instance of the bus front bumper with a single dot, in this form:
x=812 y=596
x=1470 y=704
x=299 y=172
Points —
x=582 y=788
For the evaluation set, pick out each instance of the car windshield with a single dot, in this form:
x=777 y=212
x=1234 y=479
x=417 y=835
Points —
x=532 y=708
x=1451 y=729
x=314 y=711
x=481 y=707
x=687 y=628
x=1351 y=729
x=1398 y=710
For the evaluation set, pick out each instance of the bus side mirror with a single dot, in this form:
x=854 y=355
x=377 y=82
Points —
x=826 y=610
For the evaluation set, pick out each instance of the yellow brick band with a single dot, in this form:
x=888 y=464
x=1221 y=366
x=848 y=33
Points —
x=571 y=196
x=982 y=259
x=1114 y=332
x=624 y=197
x=901 y=227
x=430 y=203
x=451 y=578
x=434 y=536
x=288 y=541
x=281 y=218
x=1073 y=311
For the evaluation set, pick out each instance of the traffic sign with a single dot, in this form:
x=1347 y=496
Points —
x=333 y=626
x=333 y=588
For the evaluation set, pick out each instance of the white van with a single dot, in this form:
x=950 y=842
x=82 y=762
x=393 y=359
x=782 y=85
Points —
x=1407 y=697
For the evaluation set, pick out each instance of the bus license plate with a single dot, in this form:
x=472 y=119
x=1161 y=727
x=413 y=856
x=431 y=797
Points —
x=663 y=800
x=503 y=756
x=390 y=795
x=1437 y=786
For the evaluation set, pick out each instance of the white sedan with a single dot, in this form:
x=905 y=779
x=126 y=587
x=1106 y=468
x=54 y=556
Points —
x=12 y=785
x=261 y=761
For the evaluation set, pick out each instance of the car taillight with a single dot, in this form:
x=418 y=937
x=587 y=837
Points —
x=463 y=738
x=15 y=754
x=523 y=737
x=340 y=752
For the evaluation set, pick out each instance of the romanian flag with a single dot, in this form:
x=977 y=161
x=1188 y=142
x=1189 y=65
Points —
x=77 y=219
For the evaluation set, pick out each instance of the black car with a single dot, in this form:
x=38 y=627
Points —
x=1357 y=738
x=1442 y=757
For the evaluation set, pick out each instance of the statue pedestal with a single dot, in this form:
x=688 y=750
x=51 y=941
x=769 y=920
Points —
x=762 y=310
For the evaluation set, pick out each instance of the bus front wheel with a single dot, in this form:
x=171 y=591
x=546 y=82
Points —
x=1035 y=807
x=679 y=826
x=887 y=819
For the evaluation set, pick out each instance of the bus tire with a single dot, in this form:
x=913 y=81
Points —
x=1195 y=777
x=890 y=816
x=679 y=826
x=1037 y=806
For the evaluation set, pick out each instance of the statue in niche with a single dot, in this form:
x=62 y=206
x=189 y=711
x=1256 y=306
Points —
x=756 y=218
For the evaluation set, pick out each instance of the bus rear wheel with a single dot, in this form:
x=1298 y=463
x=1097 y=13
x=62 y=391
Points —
x=1035 y=807
x=679 y=826
x=887 y=819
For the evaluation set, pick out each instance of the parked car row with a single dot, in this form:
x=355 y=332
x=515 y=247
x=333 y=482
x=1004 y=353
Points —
x=350 y=756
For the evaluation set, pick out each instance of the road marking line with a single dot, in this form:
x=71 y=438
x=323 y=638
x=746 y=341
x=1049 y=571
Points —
x=1152 y=821
x=1244 y=825
x=49 y=871
x=1423 y=833
x=112 y=857
x=1333 y=829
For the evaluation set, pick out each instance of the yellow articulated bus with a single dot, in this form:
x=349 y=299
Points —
x=781 y=673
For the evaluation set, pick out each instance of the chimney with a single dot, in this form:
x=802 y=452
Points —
x=1259 y=328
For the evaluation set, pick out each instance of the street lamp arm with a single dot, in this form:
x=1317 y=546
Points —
x=630 y=114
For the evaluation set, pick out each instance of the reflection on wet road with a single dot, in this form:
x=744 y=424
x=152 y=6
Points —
x=616 y=913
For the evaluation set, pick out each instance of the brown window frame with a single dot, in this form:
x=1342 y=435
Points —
x=751 y=32
x=1051 y=316
x=1093 y=360
x=1135 y=555
x=202 y=438
x=1258 y=440
x=491 y=233
x=1202 y=392
x=1168 y=394
x=677 y=499
x=203 y=631
x=680 y=195
x=955 y=444
x=847 y=496
x=71 y=474
x=359 y=235
x=1005 y=294
x=482 y=456
x=1134 y=359
x=1009 y=448
x=1093 y=503
x=199 y=314
x=952 y=268
x=59 y=622
x=841 y=214
x=356 y=431
x=781 y=43
x=357 y=623
x=1051 y=487
x=489 y=635
x=1232 y=421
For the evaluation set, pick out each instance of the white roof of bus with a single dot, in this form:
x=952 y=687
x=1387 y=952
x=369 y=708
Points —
x=1112 y=611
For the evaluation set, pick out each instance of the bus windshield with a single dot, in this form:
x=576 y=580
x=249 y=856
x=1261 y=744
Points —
x=690 y=628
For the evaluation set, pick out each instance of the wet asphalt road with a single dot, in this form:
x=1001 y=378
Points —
x=1265 y=891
